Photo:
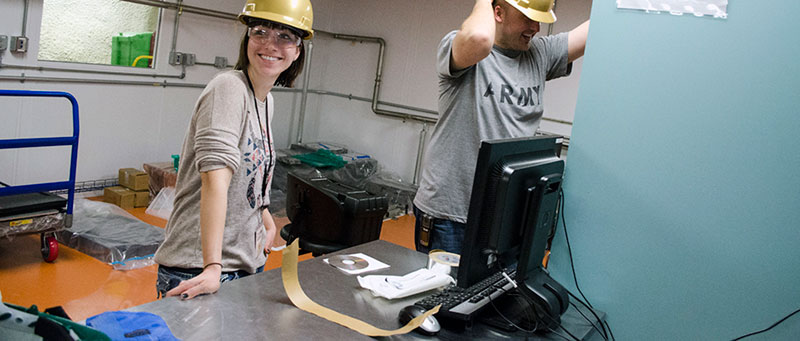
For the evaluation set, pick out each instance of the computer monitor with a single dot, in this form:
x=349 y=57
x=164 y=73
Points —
x=512 y=213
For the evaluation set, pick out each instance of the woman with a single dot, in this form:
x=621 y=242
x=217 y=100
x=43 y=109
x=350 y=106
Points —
x=224 y=230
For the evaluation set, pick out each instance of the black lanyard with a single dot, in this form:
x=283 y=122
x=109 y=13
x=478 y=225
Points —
x=267 y=140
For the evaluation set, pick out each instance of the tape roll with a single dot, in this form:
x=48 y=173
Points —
x=444 y=262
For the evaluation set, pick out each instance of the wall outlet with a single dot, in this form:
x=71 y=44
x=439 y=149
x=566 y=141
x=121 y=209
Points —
x=3 y=43
x=178 y=58
x=175 y=58
x=19 y=44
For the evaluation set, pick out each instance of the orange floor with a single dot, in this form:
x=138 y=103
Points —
x=85 y=287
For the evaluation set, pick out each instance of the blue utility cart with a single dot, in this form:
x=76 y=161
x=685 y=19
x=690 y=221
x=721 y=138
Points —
x=26 y=209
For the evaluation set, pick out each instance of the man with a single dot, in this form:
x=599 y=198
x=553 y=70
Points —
x=492 y=74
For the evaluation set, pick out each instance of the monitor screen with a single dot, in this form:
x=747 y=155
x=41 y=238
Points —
x=508 y=217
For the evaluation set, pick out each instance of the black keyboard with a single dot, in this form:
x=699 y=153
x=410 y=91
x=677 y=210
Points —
x=464 y=303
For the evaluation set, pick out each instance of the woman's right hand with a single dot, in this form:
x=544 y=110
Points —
x=206 y=282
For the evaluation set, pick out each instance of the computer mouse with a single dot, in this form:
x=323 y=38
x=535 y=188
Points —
x=430 y=326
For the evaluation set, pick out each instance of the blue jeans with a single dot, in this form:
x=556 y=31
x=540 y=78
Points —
x=169 y=278
x=445 y=235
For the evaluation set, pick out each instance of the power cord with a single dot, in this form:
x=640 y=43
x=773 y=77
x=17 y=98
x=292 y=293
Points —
x=501 y=268
x=499 y=313
x=605 y=324
x=538 y=318
x=603 y=333
x=533 y=305
x=569 y=247
x=768 y=328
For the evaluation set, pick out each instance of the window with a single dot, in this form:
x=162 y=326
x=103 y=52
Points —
x=108 y=32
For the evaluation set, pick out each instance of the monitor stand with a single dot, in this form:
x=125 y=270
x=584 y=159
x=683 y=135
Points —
x=515 y=309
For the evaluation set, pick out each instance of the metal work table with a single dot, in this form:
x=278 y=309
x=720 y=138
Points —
x=257 y=307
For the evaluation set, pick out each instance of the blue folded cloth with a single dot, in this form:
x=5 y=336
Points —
x=132 y=326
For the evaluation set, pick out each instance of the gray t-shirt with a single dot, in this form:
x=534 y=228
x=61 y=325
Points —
x=500 y=97
x=224 y=132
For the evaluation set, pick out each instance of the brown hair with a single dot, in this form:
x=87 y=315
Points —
x=287 y=77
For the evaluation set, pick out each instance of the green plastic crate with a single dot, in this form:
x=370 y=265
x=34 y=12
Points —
x=126 y=47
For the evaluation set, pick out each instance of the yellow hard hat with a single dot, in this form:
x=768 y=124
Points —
x=294 y=13
x=538 y=10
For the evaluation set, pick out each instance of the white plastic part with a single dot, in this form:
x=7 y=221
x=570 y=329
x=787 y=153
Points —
x=17 y=323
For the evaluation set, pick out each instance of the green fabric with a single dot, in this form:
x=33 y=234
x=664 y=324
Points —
x=321 y=159
x=84 y=332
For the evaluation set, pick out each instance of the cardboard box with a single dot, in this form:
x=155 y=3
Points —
x=161 y=174
x=133 y=178
x=141 y=198
x=119 y=196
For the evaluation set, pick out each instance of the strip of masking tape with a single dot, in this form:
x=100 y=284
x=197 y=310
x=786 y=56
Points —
x=292 y=286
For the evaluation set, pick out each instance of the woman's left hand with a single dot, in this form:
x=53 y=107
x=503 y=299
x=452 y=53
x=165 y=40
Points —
x=206 y=282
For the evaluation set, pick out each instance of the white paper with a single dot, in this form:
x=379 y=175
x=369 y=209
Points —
x=699 y=8
x=392 y=287
x=373 y=264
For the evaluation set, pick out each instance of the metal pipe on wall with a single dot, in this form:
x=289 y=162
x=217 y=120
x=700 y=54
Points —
x=420 y=151
x=24 y=78
x=48 y=68
x=25 y=18
x=180 y=7
x=351 y=97
x=175 y=30
x=304 y=98
x=378 y=75
x=376 y=93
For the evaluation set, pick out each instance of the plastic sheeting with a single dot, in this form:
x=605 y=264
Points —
x=364 y=174
x=48 y=222
x=111 y=235
x=163 y=203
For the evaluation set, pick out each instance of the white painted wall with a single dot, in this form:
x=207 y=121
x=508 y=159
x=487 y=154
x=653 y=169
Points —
x=125 y=126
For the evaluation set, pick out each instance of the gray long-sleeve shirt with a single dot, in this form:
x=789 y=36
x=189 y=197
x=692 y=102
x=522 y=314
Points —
x=224 y=132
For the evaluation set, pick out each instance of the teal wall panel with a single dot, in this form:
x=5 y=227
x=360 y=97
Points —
x=683 y=175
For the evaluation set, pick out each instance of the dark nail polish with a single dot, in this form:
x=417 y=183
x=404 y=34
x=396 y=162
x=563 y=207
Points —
x=184 y=296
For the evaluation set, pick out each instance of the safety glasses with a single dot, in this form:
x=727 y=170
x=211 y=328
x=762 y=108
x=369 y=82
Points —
x=283 y=38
